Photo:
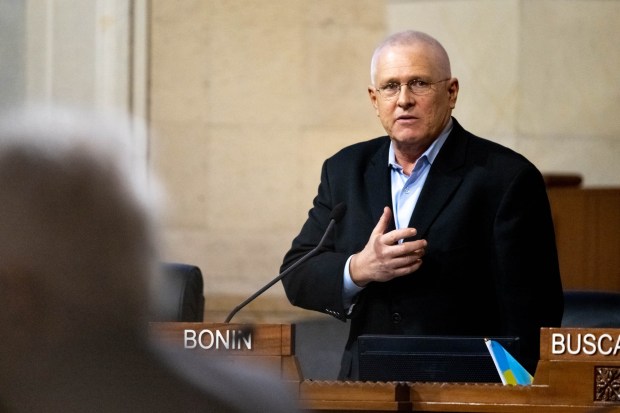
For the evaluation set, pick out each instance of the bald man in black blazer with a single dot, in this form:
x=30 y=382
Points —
x=477 y=254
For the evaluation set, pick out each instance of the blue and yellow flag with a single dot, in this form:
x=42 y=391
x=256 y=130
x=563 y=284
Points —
x=510 y=370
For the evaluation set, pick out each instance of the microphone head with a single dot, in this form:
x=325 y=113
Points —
x=338 y=212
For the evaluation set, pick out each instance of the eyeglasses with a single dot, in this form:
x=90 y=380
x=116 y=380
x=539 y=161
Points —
x=416 y=86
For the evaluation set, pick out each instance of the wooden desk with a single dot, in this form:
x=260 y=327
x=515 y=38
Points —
x=587 y=228
x=267 y=346
x=563 y=382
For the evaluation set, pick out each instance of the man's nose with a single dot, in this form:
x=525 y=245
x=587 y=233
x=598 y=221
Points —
x=405 y=96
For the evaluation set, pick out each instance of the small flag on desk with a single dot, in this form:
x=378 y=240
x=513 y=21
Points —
x=510 y=370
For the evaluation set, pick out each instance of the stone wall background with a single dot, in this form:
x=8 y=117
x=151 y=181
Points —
x=246 y=98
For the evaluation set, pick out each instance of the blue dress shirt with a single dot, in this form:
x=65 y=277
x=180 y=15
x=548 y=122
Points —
x=405 y=193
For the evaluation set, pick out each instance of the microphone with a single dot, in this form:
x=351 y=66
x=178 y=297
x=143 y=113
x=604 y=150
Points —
x=335 y=216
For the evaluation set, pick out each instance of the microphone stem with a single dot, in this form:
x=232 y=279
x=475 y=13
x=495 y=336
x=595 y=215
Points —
x=283 y=273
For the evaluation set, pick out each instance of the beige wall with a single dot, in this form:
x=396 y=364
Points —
x=248 y=98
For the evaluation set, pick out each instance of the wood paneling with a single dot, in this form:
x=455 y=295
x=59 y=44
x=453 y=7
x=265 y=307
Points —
x=587 y=226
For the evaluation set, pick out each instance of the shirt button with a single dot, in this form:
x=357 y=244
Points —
x=396 y=318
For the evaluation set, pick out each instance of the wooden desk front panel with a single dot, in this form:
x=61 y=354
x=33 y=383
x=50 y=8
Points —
x=587 y=226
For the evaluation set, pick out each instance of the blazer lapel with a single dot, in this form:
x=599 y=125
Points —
x=377 y=184
x=443 y=179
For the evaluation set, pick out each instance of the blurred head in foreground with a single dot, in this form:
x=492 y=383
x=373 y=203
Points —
x=78 y=259
x=75 y=230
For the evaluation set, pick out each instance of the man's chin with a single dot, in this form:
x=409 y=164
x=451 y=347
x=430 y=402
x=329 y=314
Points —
x=411 y=142
x=407 y=139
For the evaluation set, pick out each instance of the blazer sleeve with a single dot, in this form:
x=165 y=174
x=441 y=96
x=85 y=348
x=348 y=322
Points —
x=317 y=284
x=529 y=285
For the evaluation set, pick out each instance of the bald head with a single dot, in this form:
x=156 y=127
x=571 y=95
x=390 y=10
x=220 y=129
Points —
x=413 y=38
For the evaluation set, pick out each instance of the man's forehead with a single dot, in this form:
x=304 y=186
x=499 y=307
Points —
x=413 y=61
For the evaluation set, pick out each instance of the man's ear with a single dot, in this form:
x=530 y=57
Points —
x=453 y=90
x=372 y=94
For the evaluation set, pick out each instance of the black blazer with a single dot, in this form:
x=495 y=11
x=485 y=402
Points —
x=491 y=264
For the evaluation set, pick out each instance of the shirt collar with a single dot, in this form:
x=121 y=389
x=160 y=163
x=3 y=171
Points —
x=430 y=154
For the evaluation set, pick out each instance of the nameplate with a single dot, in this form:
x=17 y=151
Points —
x=229 y=339
x=218 y=339
x=587 y=344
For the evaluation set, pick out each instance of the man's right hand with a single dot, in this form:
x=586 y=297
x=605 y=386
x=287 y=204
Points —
x=384 y=257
